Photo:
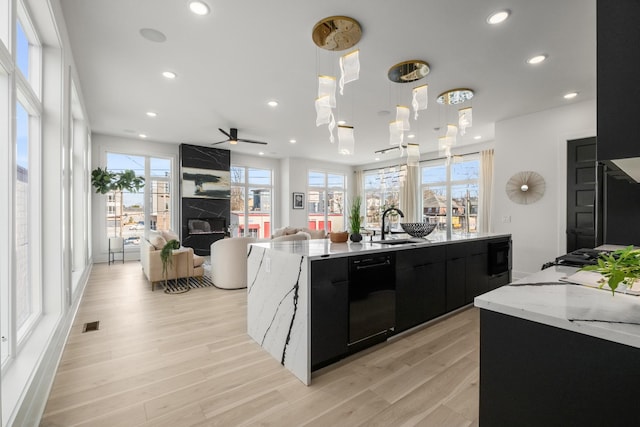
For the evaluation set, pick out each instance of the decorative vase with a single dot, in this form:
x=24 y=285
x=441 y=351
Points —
x=355 y=237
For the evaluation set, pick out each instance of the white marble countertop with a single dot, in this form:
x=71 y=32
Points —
x=542 y=298
x=324 y=248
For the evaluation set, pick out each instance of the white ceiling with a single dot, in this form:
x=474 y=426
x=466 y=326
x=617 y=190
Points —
x=245 y=53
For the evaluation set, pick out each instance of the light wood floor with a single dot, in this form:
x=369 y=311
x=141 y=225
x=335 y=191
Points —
x=185 y=360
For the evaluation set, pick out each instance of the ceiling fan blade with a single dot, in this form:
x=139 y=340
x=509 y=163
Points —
x=252 y=141
x=220 y=142
x=225 y=133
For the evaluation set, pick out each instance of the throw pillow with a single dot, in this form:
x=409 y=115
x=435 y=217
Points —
x=157 y=240
x=316 y=234
x=278 y=232
x=169 y=235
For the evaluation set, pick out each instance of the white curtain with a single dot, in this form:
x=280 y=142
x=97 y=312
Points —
x=486 y=190
x=409 y=194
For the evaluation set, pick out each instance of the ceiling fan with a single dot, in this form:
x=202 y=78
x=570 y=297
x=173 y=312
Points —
x=233 y=138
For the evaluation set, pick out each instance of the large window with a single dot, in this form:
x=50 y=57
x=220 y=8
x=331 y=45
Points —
x=251 y=195
x=325 y=202
x=450 y=193
x=127 y=213
x=381 y=191
x=21 y=294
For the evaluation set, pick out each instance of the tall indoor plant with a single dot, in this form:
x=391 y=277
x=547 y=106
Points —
x=354 y=219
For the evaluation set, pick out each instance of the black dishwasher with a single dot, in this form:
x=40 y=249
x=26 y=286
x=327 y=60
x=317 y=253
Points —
x=372 y=299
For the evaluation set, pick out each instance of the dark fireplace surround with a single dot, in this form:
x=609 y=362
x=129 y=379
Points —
x=203 y=220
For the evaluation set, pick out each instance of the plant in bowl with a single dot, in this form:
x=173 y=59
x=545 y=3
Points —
x=166 y=254
x=354 y=219
x=620 y=266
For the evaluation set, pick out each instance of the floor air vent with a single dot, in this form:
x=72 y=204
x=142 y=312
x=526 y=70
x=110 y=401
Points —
x=91 y=326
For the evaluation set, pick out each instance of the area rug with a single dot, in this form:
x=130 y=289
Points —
x=194 y=283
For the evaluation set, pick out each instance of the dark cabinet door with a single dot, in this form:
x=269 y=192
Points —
x=477 y=277
x=456 y=282
x=420 y=286
x=617 y=73
x=329 y=311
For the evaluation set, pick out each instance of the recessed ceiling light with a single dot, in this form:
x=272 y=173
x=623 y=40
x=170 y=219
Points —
x=153 y=35
x=342 y=122
x=272 y=103
x=477 y=137
x=142 y=135
x=199 y=8
x=536 y=59
x=261 y=153
x=292 y=141
x=498 y=17
x=411 y=136
x=152 y=114
x=377 y=158
x=169 y=74
x=570 y=95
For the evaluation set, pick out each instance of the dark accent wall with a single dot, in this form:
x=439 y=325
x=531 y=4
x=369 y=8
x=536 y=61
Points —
x=195 y=156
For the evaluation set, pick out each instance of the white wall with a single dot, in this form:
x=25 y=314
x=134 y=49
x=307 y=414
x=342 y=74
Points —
x=537 y=142
x=297 y=182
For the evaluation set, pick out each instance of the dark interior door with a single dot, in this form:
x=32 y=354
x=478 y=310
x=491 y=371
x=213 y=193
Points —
x=581 y=193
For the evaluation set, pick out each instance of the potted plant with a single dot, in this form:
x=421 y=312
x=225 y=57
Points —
x=354 y=219
x=105 y=181
x=620 y=266
x=166 y=255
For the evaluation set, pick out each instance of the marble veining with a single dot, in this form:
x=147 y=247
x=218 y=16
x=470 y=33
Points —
x=278 y=307
x=542 y=298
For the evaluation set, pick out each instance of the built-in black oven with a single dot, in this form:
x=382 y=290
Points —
x=372 y=299
x=499 y=256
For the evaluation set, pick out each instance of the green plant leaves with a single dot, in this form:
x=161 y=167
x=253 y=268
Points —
x=620 y=266
x=105 y=181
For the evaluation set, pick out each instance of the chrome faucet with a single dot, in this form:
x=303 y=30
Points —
x=384 y=214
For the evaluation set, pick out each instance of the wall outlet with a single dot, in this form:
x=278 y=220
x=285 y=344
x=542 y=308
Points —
x=267 y=265
x=506 y=219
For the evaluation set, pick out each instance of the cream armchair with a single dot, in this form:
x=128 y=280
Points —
x=152 y=264
x=229 y=262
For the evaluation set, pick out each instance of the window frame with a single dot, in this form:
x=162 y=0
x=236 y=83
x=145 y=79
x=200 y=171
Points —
x=324 y=191
x=246 y=185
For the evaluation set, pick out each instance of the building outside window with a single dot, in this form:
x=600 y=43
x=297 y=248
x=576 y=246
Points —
x=127 y=213
x=451 y=183
x=381 y=191
x=325 y=201
x=251 y=198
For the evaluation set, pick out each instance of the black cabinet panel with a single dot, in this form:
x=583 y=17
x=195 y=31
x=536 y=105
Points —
x=499 y=280
x=617 y=73
x=477 y=276
x=329 y=311
x=456 y=283
x=420 y=286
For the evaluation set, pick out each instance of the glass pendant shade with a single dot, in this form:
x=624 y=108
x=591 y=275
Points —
x=327 y=86
x=346 y=140
x=323 y=110
x=452 y=131
x=396 y=134
x=420 y=99
x=465 y=119
x=402 y=116
x=413 y=154
x=349 y=68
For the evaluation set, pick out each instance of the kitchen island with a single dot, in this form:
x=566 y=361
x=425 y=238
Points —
x=313 y=302
x=558 y=354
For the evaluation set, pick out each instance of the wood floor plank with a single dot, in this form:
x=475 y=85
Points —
x=186 y=360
